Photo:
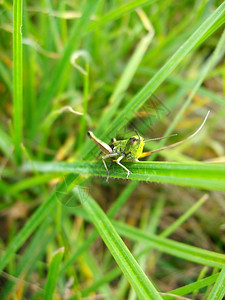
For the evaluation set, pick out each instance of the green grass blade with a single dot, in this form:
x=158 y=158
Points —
x=17 y=78
x=139 y=281
x=109 y=277
x=165 y=245
x=218 y=291
x=186 y=84
x=53 y=273
x=187 y=252
x=169 y=230
x=187 y=289
x=209 y=176
x=118 y=12
x=93 y=236
x=30 y=182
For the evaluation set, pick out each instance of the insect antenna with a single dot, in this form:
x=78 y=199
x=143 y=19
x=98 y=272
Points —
x=137 y=134
x=161 y=138
x=144 y=154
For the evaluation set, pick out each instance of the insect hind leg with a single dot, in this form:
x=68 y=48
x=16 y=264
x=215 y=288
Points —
x=122 y=166
x=111 y=155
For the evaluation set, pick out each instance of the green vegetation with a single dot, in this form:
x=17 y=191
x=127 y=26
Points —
x=75 y=66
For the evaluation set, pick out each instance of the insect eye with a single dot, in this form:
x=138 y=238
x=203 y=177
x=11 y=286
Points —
x=133 y=139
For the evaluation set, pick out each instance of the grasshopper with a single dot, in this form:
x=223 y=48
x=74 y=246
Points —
x=132 y=149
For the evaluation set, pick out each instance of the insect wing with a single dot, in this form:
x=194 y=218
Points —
x=143 y=120
x=150 y=113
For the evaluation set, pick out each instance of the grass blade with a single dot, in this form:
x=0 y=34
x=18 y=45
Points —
x=118 y=12
x=187 y=289
x=17 y=77
x=187 y=252
x=209 y=176
x=53 y=273
x=139 y=281
x=218 y=290
x=165 y=245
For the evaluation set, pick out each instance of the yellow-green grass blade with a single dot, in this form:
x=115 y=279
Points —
x=17 y=78
x=208 y=176
x=218 y=291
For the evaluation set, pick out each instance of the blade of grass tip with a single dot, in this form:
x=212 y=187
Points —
x=53 y=273
x=76 y=33
x=139 y=281
x=17 y=78
x=218 y=291
x=213 y=22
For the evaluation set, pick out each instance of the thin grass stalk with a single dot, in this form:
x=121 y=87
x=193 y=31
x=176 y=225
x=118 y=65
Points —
x=17 y=77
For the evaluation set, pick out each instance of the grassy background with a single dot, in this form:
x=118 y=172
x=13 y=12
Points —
x=80 y=65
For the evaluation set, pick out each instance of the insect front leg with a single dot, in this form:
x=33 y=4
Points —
x=119 y=163
x=103 y=160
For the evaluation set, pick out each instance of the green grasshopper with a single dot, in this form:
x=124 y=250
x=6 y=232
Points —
x=131 y=149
